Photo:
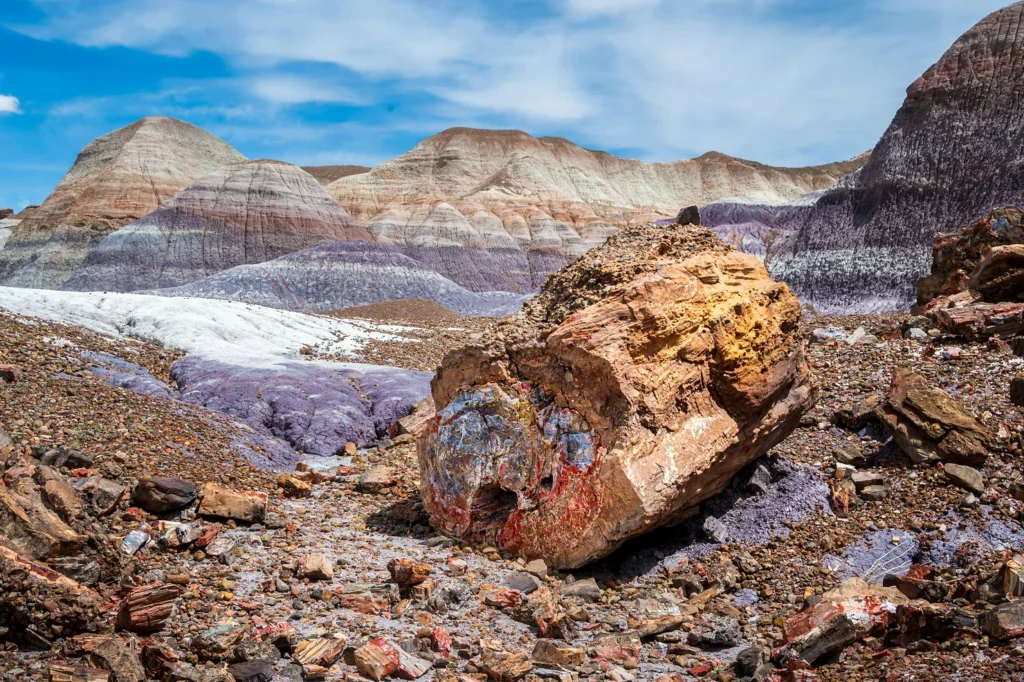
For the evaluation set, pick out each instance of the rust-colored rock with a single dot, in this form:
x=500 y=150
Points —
x=147 y=608
x=407 y=572
x=294 y=487
x=221 y=502
x=637 y=383
x=957 y=255
x=929 y=425
x=29 y=528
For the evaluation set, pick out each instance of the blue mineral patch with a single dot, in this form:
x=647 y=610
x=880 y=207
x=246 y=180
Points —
x=570 y=435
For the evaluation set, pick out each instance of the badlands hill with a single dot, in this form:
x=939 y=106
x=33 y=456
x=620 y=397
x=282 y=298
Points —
x=953 y=152
x=325 y=175
x=241 y=214
x=117 y=178
x=500 y=209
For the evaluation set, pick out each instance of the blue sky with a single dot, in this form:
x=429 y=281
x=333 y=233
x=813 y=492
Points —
x=786 y=82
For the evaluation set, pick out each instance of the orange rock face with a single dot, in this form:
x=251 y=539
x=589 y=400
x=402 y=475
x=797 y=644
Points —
x=638 y=382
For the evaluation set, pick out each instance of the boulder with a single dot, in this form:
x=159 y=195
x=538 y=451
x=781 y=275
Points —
x=221 y=502
x=161 y=494
x=688 y=216
x=640 y=380
x=842 y=616
x=294 y=487
x=1005 y=621
x=119 y=658
x=101 y=494
x=931 y=426
x=956 y=256
x=999 y=276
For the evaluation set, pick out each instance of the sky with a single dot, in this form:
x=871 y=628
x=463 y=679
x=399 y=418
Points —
x=316 y=82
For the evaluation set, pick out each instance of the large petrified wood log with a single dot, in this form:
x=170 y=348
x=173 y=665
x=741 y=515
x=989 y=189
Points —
x=635 y=385
x=38 y=604
x=931 y=426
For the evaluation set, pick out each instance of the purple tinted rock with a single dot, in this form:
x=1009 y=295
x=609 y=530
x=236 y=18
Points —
x=346 y=274
x=315 y=407
x=944 y=163
x=123 y=374
x=876 y=555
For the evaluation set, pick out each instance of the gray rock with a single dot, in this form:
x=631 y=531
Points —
x=863 y=479
x=253 y=671
x=750 y=659
x=915 y=334
x=79 y=568
x=716 y=631
x=874 y=493
x=716 y=530
x=161 y=494
x=965 y=477
x=523 y=582
x=1005 y=621
x=585 y=589
x=760 y=479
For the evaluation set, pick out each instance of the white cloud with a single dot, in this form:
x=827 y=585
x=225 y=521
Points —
x=666 y=78
x=595 y=7
x=286 y=89
x=9 y=104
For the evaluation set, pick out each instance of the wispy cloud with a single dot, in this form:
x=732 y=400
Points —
x=9 y=104
x=782 y=81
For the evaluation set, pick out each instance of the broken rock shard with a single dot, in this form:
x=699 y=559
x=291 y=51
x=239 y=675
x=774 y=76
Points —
x=636 y=384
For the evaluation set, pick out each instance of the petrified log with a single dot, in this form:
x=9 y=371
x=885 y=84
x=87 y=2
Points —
x=632 y=388
x=147 y=608
x=981 y=320
x=29 y=528
x=77 y=673
x=929 y=425
x=38 y=604
x=999 y=276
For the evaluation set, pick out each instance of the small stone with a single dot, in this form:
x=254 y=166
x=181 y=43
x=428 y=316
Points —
x=314 y=567
x=965 y=477
x=875 y=493
x=527 y=583
x=585 y=589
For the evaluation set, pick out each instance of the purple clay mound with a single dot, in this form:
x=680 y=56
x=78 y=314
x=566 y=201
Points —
x=314 y=407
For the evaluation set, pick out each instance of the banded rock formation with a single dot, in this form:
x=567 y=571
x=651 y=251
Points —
x=344 y=274
x=952 y=153
x=760 y=229
x=325 y=175
x=502 y=209
x=632 y=388
x=116 y=179
x=238 y=215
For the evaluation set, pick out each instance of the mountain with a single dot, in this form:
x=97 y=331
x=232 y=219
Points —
x=954 y=151
x=500 y=209
x=116 y=179
x=344 y=274
x=325 y=175
x=241 y=214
